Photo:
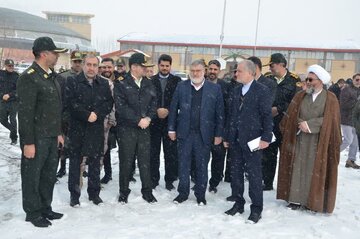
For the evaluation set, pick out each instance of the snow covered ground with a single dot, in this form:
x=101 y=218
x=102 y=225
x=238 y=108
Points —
x=164 y=219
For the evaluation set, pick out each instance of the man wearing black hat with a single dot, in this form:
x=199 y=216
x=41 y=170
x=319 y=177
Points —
x=121 y=67
x=39 y=98
x=76 y=68
x=285 y=91
x=8 y=103
x=135 y=104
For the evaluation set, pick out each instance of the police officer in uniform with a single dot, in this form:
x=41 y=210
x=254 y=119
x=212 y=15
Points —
x=76 y=68
x=120 y=67
x=39 y=98
x=287 y=85
x=135 y=104
x=8 y=102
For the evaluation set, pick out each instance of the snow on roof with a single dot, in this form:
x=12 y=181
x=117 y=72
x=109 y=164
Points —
x=242 y=41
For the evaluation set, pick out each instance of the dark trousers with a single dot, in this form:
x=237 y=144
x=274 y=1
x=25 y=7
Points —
x=193 y=146
x=107 y=155
x=243 y=160
x=8 y=112
x=93 y=162
x=159 y=133
x=134 y=141
x=228 y=167
x=217 y=164
x=38 y=177
x=269 y=161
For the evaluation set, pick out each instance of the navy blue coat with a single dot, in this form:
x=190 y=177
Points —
x=84 y=99
x=211 y=112
x=249 y=118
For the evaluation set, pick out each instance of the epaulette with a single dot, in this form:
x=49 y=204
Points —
x=295 y=76
x=60 y=73
x=299 y=84
x=268 y=74
x=120 y=78
x=30 y=71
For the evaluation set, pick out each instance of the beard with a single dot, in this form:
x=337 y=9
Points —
x=106 y=74
x=196 y=80
x=212 y=76
x=310 y=90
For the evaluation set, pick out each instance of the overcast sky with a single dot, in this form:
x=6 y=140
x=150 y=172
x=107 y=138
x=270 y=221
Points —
x=289 y=20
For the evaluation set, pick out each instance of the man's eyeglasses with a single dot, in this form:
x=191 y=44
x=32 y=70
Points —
x=11 y=66
x=309 y=79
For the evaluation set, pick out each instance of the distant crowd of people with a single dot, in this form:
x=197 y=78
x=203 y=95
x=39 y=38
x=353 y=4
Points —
x=242 y=122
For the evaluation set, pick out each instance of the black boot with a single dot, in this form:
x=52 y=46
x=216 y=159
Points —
x=237 y=208
x=96 y=199
x=51 y=215
x=39 y=222
x=149 y=197
x=123 y=198
x=105 y=179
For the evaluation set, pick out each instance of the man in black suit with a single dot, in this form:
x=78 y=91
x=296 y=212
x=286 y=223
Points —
x=271 y=84
x=218 y=152
x=135 y=105
x=89 y=100
x=165 y=84
x=249 y=118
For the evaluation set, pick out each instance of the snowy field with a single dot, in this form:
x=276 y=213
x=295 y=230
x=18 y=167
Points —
x=164 y=219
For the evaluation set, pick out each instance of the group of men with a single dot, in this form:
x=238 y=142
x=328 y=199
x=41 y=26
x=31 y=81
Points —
x=193 y=118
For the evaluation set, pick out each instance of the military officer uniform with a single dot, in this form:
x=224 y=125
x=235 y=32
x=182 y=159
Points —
x=39 y=98
x=286 y=88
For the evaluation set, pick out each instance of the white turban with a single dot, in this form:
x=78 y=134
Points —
x=321 y=73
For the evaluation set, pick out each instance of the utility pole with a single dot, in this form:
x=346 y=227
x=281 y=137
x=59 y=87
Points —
x=257 y=27
x=222 y=30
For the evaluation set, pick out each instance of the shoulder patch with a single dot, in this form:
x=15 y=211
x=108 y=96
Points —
x=120 y=78
x=295 y=76
x=30 y=71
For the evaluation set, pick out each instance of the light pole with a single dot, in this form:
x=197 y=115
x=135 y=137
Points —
x=127 y=34
x=222 y=30
x=257 y=27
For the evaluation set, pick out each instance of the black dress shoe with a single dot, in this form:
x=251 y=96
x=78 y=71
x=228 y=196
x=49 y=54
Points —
x=254 y=217
x=52 y=215
x=13 y=142
x=132 y=179
x=213 y=189
x=74 y=201
x=169 y=186
x=180 y=199
x=96 y=199
x=61 y=173
x=123 y=198
x=267 y=187
x=231 y=198
x=237 y=208
x=201 y=201
x=149 y=197
x=154 y=185
x=105 y=179
x=294 y=206
x=39 y=222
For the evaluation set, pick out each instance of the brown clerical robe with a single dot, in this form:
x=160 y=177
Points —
x=308 y=162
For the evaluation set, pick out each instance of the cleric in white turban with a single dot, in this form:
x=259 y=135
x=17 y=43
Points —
x=310 y=151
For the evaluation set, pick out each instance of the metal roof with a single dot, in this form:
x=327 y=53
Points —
x=13 y=19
